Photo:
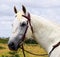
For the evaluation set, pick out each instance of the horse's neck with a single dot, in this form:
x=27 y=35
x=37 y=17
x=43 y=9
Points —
x=43 y=31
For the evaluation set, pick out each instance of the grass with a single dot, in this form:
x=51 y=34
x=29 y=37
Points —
x=34 y=48
x=4 y=41
x=2 y=47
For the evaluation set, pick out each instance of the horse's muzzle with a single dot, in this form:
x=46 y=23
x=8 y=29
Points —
x=12 y=46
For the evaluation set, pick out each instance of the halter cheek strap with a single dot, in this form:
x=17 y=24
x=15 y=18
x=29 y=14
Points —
x=23 y=37
x=29 y=20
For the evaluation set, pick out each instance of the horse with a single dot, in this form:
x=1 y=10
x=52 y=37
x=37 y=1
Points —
x=45 y=32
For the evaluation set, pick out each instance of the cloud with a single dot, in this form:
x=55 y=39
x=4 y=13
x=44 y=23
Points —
x=5 y=29
x=49 y=9
x=6 y=10
x=5 y=25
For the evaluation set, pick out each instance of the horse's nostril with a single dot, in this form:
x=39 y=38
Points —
x=11 y=44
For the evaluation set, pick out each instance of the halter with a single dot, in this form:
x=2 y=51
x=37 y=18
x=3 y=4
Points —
x=29 y=21
x=23 y=37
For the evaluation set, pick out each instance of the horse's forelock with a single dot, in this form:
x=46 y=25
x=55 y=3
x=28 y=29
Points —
x=19 y=15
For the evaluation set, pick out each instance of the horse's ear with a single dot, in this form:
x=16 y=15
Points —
x=24 y=9
x=15 y=10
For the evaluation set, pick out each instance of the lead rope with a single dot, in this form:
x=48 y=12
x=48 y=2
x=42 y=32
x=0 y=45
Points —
x=23 y=51
x=29 y=20
x=31 y=52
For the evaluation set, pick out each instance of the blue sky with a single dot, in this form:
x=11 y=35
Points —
x=49 y=9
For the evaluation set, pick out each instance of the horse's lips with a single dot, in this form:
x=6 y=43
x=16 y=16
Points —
x=13 y=49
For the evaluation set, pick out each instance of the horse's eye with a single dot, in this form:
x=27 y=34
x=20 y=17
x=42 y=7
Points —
x=23 y=24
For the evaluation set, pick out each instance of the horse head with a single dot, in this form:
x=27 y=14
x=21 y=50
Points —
x=19 y=28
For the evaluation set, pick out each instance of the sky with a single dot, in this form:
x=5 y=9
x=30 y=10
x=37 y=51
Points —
x=49 y=9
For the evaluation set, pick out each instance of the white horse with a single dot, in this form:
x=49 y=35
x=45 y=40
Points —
x=45 y=32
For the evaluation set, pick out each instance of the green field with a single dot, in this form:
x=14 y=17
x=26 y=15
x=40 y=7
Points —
x=34 y=48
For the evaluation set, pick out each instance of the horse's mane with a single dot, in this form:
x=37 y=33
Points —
x=19 y=15
x=45 y=21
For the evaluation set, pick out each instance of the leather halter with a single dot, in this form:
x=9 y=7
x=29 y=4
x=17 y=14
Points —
x=29 y=21
x=55 y=46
